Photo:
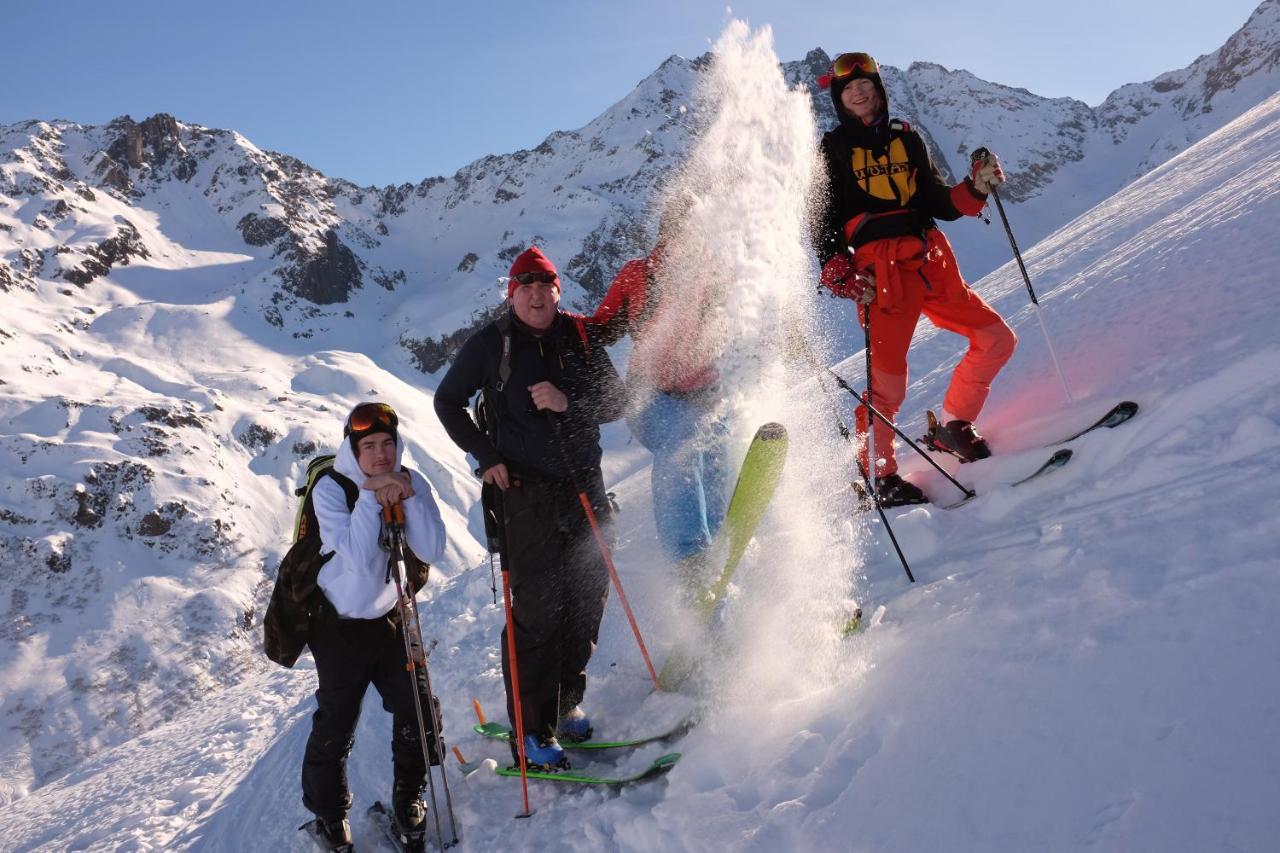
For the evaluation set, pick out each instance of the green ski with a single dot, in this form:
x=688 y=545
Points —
x=657 y=768
x=498 y=731
x=757 y=481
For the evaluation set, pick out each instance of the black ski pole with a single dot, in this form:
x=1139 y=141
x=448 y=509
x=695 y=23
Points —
x=902 y=435
x=981 y=155
x=848 y=436
x=867 y=400
x=868 y=472
x=419 y=674
x=491 y=507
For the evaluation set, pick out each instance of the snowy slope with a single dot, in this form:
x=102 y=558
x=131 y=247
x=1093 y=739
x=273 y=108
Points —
x=1086 y=661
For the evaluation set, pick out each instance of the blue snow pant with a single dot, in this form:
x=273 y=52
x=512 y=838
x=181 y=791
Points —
x=689 y=471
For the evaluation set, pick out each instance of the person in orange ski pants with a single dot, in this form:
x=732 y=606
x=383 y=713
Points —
x=878 y=244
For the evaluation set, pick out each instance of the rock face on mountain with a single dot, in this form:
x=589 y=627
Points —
x=310 y=244
x=179 y=305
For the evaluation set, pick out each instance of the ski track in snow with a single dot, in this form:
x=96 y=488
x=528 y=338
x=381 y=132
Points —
x=1087 y=661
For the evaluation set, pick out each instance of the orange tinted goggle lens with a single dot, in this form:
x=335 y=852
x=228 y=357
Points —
x=847 y=64
x=368 y=415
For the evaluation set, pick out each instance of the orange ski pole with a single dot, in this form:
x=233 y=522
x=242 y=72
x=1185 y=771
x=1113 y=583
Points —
x=617 y=584
x=515 y=689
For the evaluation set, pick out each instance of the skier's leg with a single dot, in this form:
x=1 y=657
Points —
x=891 y=333
x=668 y=428
x=395 y=684
x=991 y=345
x=533 y=555
x=586 y=589
x=714 y=443
x=343 y=674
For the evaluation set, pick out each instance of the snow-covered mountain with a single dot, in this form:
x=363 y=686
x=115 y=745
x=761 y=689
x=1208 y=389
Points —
x=1085 y=662
x=302 y=251
x=187 y=318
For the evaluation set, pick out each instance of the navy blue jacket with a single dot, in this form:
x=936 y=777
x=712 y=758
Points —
x=571 y=357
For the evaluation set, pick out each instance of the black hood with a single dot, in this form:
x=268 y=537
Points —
x=837 y=87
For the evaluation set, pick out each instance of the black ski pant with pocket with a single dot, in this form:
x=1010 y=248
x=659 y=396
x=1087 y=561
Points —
x=559 y=585
x=351 y=654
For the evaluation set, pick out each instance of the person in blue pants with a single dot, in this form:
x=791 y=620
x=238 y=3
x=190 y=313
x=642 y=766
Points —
x=675 y=391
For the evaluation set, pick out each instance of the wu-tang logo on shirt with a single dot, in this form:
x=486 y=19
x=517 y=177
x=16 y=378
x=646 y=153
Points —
x=889 y=177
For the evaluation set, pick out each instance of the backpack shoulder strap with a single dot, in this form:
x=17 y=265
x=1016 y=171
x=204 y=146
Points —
x=349 y=488
x=503 y=325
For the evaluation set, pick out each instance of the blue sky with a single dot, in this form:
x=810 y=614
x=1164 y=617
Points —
x=389 y=91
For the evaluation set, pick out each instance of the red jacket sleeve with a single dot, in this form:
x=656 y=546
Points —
x=966 y=199
x=623 y=302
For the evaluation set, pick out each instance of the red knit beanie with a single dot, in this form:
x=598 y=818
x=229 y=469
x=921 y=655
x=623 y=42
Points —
x=530 y=260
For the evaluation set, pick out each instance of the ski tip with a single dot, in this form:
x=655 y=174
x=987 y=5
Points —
x=376 y=808
x=666 y=762
x=771 y=431
x=475 y=703
x=1121 y=413
x=1060 y=457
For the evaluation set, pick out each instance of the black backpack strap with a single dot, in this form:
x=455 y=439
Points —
x=503 y=324
x=349 y=488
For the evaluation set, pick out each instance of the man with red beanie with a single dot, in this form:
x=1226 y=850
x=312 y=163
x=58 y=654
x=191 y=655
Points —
x=878 y=244
x=547 y=385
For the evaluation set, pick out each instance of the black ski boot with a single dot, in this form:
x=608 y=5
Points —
x=409 y=813
x=336 y=834
x=958 y=438
x=892 y=491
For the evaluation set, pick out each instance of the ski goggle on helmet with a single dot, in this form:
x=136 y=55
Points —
x=370 y=417
x=848 y=66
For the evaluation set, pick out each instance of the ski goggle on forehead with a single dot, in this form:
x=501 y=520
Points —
x=542 y=277
x=849 y=65
x=366 y=416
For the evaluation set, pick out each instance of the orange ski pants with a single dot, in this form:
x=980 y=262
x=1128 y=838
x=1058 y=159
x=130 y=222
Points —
x=936 y=291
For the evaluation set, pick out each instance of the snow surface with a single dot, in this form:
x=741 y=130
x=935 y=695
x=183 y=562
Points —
x=1087 y=661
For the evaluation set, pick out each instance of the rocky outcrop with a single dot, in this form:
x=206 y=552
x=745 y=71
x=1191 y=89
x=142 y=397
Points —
x=323 y=277
x=431 y=354
x=261 y=230
x=113 y=251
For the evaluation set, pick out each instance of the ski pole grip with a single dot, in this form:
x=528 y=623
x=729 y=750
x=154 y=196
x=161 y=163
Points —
x=393 y=514
x=980 y=155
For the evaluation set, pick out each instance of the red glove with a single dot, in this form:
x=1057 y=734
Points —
x=839 y=276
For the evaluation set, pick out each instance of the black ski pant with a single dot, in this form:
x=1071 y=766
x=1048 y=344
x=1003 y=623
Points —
x=351 y=654
x=559 y=585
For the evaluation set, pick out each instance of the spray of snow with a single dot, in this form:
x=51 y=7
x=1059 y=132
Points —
x=737 y=286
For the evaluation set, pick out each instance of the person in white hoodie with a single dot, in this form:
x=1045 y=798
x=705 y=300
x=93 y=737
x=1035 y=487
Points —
x=356 y=637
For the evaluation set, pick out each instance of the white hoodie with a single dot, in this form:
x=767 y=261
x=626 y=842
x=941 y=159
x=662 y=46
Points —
x=355 y=579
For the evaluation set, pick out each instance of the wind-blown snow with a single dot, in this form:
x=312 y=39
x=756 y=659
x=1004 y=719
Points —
x=1087 y=661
